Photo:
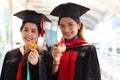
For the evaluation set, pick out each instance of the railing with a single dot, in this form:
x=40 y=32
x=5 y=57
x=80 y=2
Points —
x=110 y=65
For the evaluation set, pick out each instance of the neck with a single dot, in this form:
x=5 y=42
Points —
x=26 y=49
x=70 y=40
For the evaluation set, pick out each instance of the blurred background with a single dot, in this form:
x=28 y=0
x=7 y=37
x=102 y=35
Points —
x=102 y=28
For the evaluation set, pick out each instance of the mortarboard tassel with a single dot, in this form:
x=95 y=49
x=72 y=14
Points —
x=42 y=26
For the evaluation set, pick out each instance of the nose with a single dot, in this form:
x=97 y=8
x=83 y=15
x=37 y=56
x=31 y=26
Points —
x=29 y=33
x=66 y=29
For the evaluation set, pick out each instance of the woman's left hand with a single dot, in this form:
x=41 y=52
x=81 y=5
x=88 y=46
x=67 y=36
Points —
x=33 y=57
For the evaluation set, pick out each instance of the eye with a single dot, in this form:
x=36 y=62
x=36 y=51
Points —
x=34 y=31
x=25 y=30
x=61 y=26
x=71 y=25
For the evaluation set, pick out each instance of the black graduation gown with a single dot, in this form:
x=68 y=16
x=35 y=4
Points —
x=86 y=64
x=42 y=71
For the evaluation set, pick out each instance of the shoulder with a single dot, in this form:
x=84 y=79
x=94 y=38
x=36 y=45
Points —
x=12 y=52
x=88 y=48
x=88 y=45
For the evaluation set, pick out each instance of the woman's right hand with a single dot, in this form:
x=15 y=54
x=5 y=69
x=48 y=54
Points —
x=56 y=53
x=33 y=56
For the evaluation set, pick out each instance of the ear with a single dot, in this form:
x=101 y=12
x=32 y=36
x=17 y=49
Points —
x=80 y=25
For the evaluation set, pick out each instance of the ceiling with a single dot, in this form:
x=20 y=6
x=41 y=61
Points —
x=99 y=9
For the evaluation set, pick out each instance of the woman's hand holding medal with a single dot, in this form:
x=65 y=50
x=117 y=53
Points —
x=58 y=48
x=33 y=55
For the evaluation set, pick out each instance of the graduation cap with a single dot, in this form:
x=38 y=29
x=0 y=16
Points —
x=33 y=17
x=69 y=10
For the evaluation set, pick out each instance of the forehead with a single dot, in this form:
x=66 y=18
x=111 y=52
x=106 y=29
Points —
x=66 y=20
x=30 y=25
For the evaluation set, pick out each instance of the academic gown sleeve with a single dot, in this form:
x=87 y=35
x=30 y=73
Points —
x=87 y=65
x=93 y=67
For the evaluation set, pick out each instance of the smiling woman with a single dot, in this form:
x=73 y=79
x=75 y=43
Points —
x=24 y=62
x=78 y=60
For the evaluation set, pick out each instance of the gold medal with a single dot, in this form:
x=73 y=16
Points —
x=62 y=47
x=33 y=45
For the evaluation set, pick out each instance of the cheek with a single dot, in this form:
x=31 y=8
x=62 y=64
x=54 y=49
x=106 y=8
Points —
x=75 y=30
x=22 y=34
x=62 y=30
x=35 y=36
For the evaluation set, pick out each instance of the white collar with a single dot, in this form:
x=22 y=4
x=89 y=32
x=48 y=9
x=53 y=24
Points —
x=22 y=49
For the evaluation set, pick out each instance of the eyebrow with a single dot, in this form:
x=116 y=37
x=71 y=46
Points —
x=32 y=28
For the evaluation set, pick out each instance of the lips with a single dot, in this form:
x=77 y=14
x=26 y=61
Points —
x=28 y=39
x=68 y=33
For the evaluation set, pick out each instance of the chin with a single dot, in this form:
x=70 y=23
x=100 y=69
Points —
x=28 y=42
x=68 y=38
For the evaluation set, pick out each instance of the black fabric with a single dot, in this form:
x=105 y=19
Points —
x=87 y=64
x=45 y=66
x=10 y=65
x=69 y=10
x=42 y=71
x=31 y=16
